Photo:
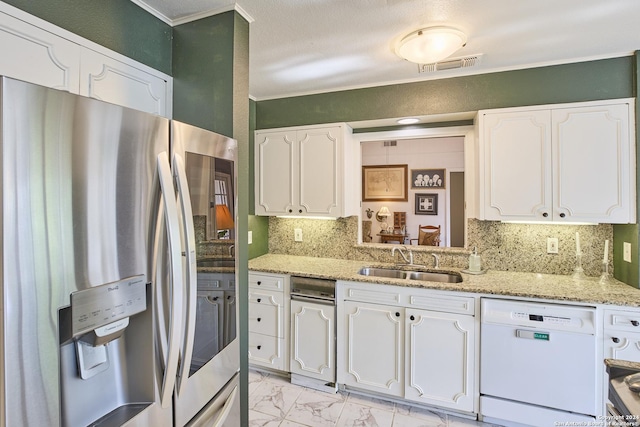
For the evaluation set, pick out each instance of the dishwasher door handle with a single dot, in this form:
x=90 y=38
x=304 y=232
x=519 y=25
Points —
x=532 y=335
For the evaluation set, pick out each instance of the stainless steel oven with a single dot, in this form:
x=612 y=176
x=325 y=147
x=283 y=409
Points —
x=313 y=333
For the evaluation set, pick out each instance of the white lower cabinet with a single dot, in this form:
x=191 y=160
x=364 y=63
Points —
x=440 y=359
x=374 y=347
x=313 y=340
x=419 y=344
x=268 y=316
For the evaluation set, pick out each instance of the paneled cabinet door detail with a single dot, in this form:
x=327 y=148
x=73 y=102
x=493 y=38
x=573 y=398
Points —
x=37 y=56
x=591 y=156
x=439 y=361
x=517 y=156
x=300 y=172
x=374 y=347
x=622 y=345
x=313 y=332
x=113 y=81
x=275 y=173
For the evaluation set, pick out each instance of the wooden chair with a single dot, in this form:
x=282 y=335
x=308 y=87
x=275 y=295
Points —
x=428 y=235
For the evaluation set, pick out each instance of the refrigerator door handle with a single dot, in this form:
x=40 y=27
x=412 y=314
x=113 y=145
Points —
x=175 y=261
x=204 y=418
x=191 y=270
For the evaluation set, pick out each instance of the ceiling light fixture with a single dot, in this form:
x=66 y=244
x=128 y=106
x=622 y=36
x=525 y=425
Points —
x=429 y=45
x=407 y=121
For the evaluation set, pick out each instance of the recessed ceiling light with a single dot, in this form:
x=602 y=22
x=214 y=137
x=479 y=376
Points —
x=408 y=121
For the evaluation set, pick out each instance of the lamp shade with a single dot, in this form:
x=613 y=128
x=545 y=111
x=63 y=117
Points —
x=430 y=45
x=384 y=211
x=224 y=221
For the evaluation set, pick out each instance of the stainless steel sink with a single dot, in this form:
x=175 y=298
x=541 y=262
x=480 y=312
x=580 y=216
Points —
x=383 y=272
x=213 y=262
x=427 y=276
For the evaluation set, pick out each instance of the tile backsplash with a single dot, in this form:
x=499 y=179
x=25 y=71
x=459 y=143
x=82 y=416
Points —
x=502 y=246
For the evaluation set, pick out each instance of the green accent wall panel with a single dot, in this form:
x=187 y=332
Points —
x=119 y=25
x=585 y=81
x=624 y=271
x=259 y=226
x=203 y=73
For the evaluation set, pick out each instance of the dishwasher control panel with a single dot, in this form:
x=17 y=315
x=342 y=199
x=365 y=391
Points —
x=539 y=315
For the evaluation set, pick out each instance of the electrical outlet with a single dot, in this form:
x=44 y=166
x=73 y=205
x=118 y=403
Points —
x=552 y=245
x=250 y=237
x=297 y=234
x=626 y=251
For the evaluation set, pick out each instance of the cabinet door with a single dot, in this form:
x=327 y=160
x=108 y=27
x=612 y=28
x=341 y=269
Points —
x=517 y=158
x=374 y=347
x=266 y=310
x=320 y=157
x=113 y=81
x=622 y=345
x=37 y=56
x=439 y=360
x=276 y=173
x=230 y=320
x=313 y=340
x=592 y=160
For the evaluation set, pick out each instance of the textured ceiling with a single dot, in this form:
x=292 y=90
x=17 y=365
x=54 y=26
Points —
x=310 y=46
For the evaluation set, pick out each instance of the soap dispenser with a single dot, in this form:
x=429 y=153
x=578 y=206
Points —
x=474 y=261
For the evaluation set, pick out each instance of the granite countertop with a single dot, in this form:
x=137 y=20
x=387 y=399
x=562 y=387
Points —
x=525 y=285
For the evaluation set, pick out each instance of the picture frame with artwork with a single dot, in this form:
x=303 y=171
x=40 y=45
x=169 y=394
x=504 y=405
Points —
x=428 y=178
x=384 y=183
x=426 y=204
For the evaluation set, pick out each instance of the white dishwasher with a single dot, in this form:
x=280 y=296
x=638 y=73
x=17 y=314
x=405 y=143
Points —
x=538 y=363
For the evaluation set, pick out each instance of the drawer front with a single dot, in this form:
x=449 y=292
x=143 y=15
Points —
x=266 y=351
x=267 y=282
x=266 y=319
x=447 y=304
x=622 y=320
x=376 y=295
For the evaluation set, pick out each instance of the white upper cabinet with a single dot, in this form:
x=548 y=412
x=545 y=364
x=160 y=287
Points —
x=36 y=56
x=564 y=163
x=123 y=84
x=38 y=52
x=306 y=171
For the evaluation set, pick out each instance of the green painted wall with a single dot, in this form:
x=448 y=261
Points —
x=202 y=73
x=258 y=225
x=119 y=25
x=585 y=81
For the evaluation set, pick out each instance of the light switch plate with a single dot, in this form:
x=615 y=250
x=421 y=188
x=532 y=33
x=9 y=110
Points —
x=552 y=245
x=626 y=251
x=297 y=233
x=250 y=237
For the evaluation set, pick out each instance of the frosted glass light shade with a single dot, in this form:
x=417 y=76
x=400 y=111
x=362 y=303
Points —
x=430 y=45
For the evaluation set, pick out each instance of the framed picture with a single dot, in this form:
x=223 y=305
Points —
x=384 y=183
x=426 y=204
x=428 y=178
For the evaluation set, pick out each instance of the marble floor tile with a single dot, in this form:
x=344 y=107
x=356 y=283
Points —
x=316 y=408
x=274 y=397
x=356 y=415
x=275 y=402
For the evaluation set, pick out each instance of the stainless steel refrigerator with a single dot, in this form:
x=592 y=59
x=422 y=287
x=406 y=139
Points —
x=107 y=317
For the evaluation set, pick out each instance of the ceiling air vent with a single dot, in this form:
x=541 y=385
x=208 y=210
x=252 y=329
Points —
x=450 y=64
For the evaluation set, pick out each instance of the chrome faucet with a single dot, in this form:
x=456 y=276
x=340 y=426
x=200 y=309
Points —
x=436 y=260
x=407 y=260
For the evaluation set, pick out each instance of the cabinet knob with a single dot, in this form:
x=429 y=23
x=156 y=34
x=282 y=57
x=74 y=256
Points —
x=228 y=296
x=545 y=214
x=259 y=347
x=412 y=317
x=290 y=210
x=259 y=299
x=634 y=322
x=215 y=298
x=562 y=215
x=258 y=319
x=615 y=339
x=259 y=283
x=299 y=210
x=397 y=314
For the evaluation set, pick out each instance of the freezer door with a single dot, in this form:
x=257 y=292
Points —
x=222 y=410
x=205 y=171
